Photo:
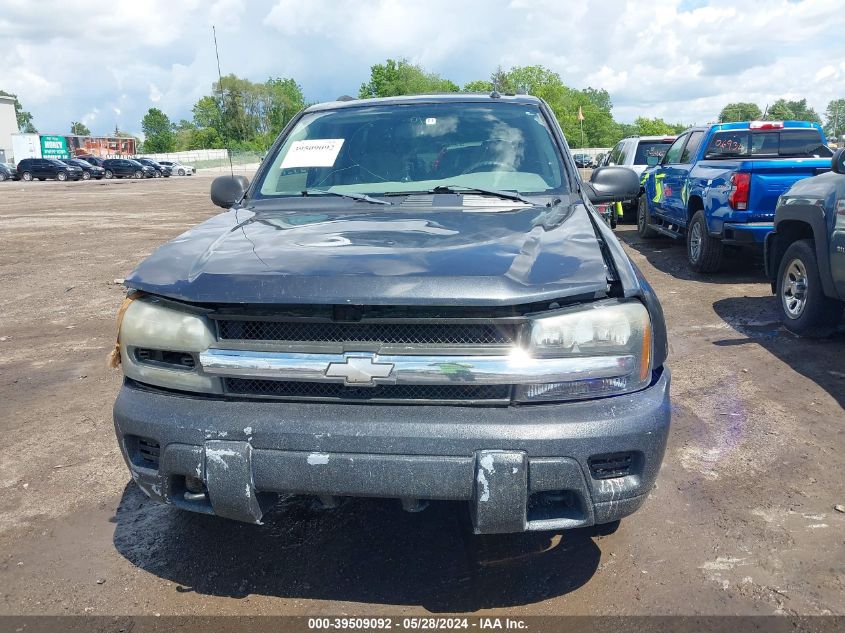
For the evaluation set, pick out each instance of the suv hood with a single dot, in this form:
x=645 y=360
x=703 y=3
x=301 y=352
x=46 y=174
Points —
x=337 y=251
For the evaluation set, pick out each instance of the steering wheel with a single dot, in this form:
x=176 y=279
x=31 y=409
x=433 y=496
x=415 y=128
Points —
x=487 y=163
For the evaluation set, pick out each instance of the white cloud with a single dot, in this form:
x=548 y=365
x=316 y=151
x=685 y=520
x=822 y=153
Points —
x=682 y=62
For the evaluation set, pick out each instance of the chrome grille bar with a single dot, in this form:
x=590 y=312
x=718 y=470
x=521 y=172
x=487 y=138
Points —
x=367 y=369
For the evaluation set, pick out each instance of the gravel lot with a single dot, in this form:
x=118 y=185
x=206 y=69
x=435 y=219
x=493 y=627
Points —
x=742 y=519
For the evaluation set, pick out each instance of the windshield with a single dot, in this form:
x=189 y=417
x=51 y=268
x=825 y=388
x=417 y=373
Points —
x=654 y=149
x=390 y=148
x=785 y=143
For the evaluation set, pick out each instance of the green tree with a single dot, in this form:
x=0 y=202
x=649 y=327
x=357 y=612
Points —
x=158 y=133
x=283 y=99
x=835 y=119
x=401 y=77
x=657 y=127
x=244 y=114
x=785 y=110
x=80 y=129
x=479 y=85
x=740 y=111
x=23 y=117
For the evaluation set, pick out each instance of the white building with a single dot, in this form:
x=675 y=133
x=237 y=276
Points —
x=8 y=126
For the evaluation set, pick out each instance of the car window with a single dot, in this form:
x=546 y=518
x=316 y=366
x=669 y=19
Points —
x=654 y=149
x=783 y=143
x=615 y=154
x=673 y=154
x=387 y=148
x=691 y=148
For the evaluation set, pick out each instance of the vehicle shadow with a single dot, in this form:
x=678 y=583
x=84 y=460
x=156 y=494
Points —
x=367 y=551
x=669 y=256
x=759 y=320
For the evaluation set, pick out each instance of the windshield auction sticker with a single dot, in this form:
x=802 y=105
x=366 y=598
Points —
x=316 y=153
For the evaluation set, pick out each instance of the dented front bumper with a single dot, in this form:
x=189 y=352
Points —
x=530 y=467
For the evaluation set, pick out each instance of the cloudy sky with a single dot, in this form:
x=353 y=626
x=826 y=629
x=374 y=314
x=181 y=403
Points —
x=106 y=63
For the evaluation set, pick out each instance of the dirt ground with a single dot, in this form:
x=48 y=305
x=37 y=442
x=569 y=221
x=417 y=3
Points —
x=742 y=520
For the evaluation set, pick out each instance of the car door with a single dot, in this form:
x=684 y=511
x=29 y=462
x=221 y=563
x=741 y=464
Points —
x=676 y=182
x=664 y=176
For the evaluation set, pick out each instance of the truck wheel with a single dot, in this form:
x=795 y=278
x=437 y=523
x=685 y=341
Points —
x=804 y=308
x=644 y=219
x=703 y=252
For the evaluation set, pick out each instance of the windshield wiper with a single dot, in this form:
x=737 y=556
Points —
x=504 y=195
x=352 y=196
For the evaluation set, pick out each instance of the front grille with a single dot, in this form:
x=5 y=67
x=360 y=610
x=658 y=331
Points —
x=334 y=391
x=386 y=333
x=611 y=466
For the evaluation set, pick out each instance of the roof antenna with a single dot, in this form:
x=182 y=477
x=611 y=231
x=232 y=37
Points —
x=220 y=85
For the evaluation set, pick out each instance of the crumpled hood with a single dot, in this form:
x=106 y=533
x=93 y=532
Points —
x=329 y=253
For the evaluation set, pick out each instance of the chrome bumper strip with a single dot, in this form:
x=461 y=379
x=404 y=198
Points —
x=368 y=369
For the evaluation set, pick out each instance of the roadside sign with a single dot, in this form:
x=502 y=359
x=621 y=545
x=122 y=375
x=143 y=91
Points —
x=54 y=147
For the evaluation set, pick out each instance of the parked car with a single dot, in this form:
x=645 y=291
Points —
x=719 y=185
x=637 y=153
x=47 y=168
x=178 y=168
x=583 y=160
x=456 y=276
x=805 y=254
x=161 y=171
x=92 y=160
x=127 y=168
x=7 y=173
x=89 y=171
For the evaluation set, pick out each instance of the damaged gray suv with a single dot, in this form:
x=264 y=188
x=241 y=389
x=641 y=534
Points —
x=414 y=299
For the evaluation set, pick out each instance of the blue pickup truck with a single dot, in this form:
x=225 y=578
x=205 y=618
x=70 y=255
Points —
x=718 y=185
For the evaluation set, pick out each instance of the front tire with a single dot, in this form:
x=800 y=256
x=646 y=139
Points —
x=27 y=176
x=108 y=175
x=61 y=176
x=804 y=308
x=157 y=174
x=644 y=219
x=86 y=175
x=181 y=172
x=2 y=177
x=704 y=253
x=138 y=174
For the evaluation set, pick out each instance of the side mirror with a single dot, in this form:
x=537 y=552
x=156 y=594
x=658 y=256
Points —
x=227 y=190
x=652 y=161
x=838 y=161
x=612 y=184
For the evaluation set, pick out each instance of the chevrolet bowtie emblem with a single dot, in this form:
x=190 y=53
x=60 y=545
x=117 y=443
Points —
x=359 y=370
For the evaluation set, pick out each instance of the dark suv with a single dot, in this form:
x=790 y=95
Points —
x=89 y=171
x=414 y=299
x=161 y=171
x=805 y=254
x=44 y=168
x=126 y=168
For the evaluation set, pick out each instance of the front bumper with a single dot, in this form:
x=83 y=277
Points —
x=529 y=467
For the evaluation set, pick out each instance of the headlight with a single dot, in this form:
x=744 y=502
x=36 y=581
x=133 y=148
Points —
x=614 y=337
x=159 y=345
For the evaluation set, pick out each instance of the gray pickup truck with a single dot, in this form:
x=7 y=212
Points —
x=414 y=299
x=805 y=254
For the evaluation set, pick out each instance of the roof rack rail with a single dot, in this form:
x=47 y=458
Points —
x=345 y=98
